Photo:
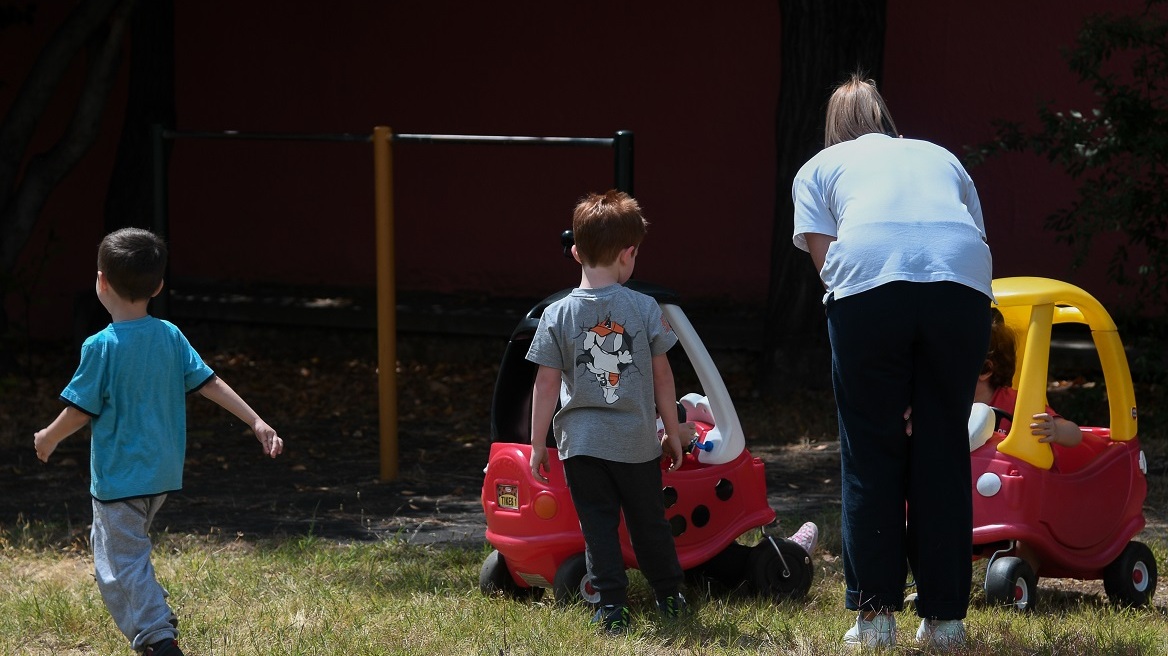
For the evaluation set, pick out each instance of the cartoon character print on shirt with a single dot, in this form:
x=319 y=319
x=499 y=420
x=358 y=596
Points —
x=606 y=352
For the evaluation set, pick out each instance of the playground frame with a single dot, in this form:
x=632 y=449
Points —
x=382 y=139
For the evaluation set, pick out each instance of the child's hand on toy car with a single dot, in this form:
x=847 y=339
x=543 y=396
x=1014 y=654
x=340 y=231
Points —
x=1052 y=429
x=539 y=459
x=1043 y=427
x=671 y=446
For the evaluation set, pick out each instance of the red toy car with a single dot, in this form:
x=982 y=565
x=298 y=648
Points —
x=717 y=495
x=1076 y=509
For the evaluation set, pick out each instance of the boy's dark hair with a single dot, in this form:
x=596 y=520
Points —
x=605 y=224
x=1002 y=357
x=133 y=261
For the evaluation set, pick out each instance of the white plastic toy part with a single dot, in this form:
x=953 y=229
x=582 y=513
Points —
x=726 y=436
x=697 y=408
x=989 y=484
x=982 y=422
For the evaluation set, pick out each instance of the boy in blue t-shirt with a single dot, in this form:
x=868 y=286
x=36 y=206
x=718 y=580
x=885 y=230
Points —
x=606 y=344
x=131 y=388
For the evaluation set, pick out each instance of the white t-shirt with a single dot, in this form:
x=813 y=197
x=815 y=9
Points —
x=900 y=210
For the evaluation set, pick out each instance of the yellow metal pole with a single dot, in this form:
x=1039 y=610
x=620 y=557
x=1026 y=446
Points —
x=386 y=300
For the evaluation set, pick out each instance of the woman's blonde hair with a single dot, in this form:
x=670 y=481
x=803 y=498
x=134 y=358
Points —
x=855 y=109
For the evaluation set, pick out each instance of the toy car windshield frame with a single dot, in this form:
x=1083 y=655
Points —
x=1031 y=306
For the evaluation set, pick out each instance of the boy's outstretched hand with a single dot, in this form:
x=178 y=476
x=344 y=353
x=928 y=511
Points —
x=273 y=445
x=44 y=445
x=68 y=422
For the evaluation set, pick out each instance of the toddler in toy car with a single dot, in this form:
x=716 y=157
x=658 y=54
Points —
x=994 y=390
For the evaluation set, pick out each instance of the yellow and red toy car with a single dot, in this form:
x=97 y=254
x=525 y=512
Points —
x=1076 y=509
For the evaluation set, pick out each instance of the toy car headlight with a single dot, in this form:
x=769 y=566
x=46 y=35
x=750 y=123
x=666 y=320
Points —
x=545 y=506
x=988 y=484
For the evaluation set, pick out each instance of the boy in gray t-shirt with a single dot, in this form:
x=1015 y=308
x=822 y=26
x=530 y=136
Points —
x=606 y=346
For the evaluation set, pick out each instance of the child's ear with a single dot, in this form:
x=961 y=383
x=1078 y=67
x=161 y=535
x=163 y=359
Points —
x=576 y=255
x=987 y=370
x=159 y=290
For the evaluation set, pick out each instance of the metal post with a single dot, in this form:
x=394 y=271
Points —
x=160 y=305
x=386 y=301
x=622 y=146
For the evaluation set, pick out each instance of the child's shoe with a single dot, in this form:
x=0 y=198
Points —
x=807 y=537
x=613 y=618
x=166 y=647
x=941 y=634
x=875 y=631
x=673 y=606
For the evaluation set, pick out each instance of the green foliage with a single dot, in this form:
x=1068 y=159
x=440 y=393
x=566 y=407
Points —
x=1116 y=152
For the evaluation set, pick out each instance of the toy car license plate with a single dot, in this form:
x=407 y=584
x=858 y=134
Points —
x=507 y=495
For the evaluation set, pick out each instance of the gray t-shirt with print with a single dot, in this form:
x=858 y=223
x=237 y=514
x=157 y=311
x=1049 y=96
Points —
x=603 y=341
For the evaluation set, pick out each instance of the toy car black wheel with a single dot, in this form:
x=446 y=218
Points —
x=573 y=582
x=1012 y=582
x=780 y=569
x=727 y=569
x=495 y=579
x=1130 y=579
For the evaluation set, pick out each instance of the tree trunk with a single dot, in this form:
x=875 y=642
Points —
x=98 y=26
x=823 y=41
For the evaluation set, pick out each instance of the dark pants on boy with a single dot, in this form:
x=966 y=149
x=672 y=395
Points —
x=907 y=344
x=601 y=490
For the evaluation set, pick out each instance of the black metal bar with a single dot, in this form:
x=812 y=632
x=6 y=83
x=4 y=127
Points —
x=266 y=136
x=503 y=140
x=622 y=146
x=621 y=143
x=498 y=140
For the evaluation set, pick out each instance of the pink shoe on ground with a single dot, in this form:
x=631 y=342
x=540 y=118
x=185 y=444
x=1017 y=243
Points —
x=807 y=537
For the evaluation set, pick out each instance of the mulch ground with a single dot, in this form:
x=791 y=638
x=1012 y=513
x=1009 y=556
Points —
x=318 y=388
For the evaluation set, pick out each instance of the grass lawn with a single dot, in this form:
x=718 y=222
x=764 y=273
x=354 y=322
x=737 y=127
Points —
x=306 y=595
x=295 y=595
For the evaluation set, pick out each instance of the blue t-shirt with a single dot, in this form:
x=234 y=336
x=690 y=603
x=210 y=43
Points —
x=133 y=381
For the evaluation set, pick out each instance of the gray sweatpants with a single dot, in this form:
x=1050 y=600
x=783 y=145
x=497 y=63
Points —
x=125 y=575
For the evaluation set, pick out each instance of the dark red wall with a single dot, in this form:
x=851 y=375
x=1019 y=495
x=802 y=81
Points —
x=698 y=89
x=951 y=70
x=696 y=83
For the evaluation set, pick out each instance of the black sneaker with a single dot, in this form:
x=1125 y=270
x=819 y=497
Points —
x=614 y=619
x=673 y=606
x=166 y=647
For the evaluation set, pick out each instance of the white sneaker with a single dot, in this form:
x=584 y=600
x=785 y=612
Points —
x=941 y=634
x=876 y=632
x=807 y=537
